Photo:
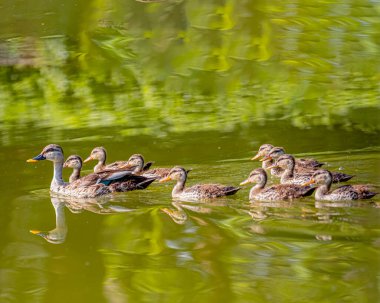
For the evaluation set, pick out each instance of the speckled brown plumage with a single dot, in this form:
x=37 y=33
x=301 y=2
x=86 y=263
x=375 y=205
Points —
x=196 y=192
x=323 y=179
x=290 y=176
x=274 y=192
x=118 y=180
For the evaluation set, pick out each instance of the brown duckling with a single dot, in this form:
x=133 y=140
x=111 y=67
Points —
x=323 y=179
x=136 y=163
x=100 y=154
x=128 y=183
x=307 y=163
x=195 y=192
x=277 y=152
x=274 y=192
x=267 y=162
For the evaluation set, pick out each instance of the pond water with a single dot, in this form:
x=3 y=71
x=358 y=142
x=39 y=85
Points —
x=201 y=85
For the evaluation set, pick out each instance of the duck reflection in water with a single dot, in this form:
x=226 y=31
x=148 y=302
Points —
x=76 y=206
x=179 y=215
x=58 y=234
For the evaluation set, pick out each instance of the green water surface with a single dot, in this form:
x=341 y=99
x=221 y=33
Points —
x=201 y=84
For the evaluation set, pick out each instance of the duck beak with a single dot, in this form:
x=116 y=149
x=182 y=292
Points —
x=265 y=158
x=245 y=182
x=311 y=181
x=38 y=233
x=89 y=158
x=36 y=158
x=256 y=157
x=165 y=179
x=272 y=166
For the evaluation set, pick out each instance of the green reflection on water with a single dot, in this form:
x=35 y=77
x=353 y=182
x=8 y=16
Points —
x=201 y=84
x=162 y=67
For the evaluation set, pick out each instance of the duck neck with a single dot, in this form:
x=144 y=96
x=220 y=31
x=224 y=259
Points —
x=139 y=168
x=57 y=178
x=179 y=187
x=98 y=167
x=288 y=173
x=75 y=175
x=257 y=188
x=322 y=191
x=265 y=164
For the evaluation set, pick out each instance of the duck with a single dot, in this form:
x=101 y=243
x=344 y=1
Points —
x=274 y=192
x=263 y=152
x=277 y=152
x=134 y=182
x=99 y=153
x=90 y=186
x=198 y=191
x=136 y=163
x=323 y=179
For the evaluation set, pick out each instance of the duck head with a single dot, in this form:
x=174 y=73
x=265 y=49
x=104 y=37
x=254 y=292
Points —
x=263 y=151
x=98 y=153
x=51 y=152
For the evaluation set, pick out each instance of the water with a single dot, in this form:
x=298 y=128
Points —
x=201 y=85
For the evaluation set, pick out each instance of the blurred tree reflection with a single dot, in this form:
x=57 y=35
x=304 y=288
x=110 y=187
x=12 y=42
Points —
x=129 y=63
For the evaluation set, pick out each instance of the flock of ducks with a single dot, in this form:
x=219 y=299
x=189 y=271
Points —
x=298 y=177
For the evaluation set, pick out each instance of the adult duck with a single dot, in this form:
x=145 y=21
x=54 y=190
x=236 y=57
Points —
x=274 y=192
x=323 y=179
x=198 y=191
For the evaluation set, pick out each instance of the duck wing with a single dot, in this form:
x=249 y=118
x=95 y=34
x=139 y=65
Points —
x=286 y=191
x=211 y=190
x=308 y=163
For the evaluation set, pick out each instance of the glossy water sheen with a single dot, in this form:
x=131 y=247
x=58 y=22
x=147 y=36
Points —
x=202 y=85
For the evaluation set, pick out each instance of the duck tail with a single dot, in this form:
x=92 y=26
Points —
x=147 y=165
x=369 y=195
x=308 y=191
x=144 y=184
x=231 y=190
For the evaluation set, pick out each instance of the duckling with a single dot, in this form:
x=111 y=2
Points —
x=277 y=152
x=136 y=162
x=75 y=162
x=274 y=192
x=264 y=150
x=307 y=163
x=132 y=183
x=323 y=179
x=90 y=186
x=100 y=154
x=195 y=192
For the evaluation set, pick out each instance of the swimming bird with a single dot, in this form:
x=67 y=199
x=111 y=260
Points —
x=136 y=163
x=198 y=191
x=93 y=185
x=323 y=179
x=133 y=181
x=291 y=175
x=100 y=154
x=263 y=152
x=273 y=192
